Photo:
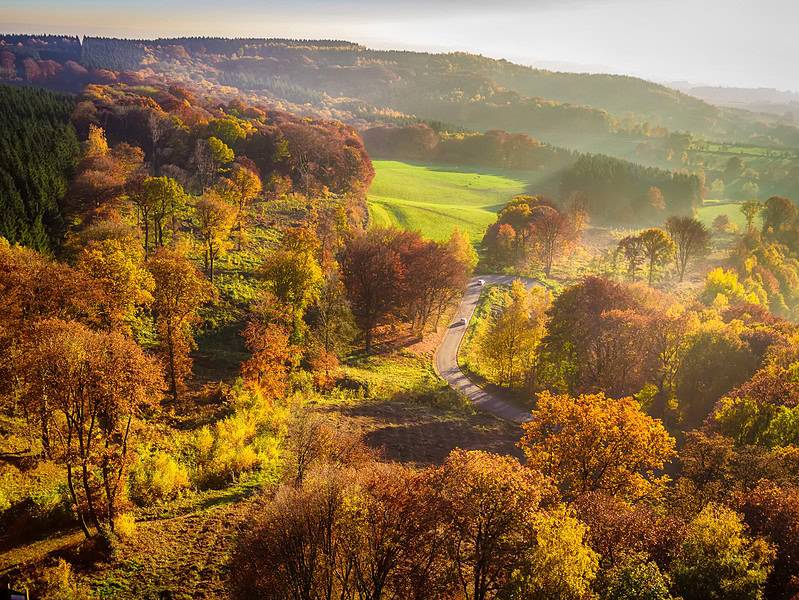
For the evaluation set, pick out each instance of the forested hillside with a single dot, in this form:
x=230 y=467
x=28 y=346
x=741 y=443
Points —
x=38 y=151
x=598 y=113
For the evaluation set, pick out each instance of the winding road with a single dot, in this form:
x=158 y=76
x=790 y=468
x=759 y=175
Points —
x=446 y=356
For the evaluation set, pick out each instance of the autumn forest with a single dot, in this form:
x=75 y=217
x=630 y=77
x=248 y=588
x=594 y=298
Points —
x=245 y=353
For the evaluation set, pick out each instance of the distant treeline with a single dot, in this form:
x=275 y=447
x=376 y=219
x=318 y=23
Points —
x=609 y=189
x=38 y=150
x=619 y=191
x=496 y=149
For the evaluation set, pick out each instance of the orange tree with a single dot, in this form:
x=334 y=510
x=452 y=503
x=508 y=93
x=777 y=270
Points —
x=596 y=444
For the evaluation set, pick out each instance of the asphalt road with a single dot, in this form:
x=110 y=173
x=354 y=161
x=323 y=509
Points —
x=446 y=357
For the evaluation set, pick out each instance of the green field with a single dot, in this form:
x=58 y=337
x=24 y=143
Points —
x=435 y=199
x=712 y=208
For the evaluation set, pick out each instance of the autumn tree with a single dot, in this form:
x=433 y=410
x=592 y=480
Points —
x=93 y=386
x=180 y=290
x=750 y=210
x=272 y=358
x=373 y=275
x=293 y=274
x=158 y=200
x=592 y=443
x=209 y=157
x=215 y=219
x=779 y=215
x=122 y=281
x=658 y=250
x=691 y=239
x=553 y=234
x=434 y=279
x=508 y=346
x=246 y=186
x=463 y=250
x=772 y=511
x=718 y=559
x=488 y=509
x=631 y=249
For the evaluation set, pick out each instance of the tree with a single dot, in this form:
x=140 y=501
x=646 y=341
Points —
x=508 y=346
x=691 y=238
x=373 y=275
x=553 y=233
x=750 y=210
x=293 y=274
x=722 y=224
x=247 y=186
x=592 y=443
x=158 y=199
x=559 y=564
x=779 y=214
x=434 y=279
x=654 y=197
x=632 y=249
x=636 y=578
x=462 y=250
x=209 y=156
x=180 y=290
x=717 y=559
x=92 y=386
x=487 y=507
x=773 y=512
x=330 y=317
x=215 y=219
x=96 y=144
x=272 y=357
x=123 y=283
x=658 y=249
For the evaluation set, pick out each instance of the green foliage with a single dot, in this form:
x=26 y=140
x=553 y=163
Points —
x=717 y=560
x=635 y=578
x=38 y=151
x=616 y=191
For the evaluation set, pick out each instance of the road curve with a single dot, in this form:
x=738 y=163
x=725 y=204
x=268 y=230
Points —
x=445 y=360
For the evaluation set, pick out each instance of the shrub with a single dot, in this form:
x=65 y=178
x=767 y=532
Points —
x=156 y=477
x=125 y=526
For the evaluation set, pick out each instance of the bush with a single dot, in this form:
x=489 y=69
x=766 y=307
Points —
x=248 y=440
x=125 y=526
x=56 y=582
x=156 y=477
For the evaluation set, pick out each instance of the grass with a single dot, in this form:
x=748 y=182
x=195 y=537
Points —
x=434 y=199
x=712 y=209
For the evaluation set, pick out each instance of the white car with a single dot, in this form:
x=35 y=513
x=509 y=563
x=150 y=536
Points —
x=481 y=282
x=462 y=322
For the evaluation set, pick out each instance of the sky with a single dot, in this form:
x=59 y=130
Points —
x=747 y=43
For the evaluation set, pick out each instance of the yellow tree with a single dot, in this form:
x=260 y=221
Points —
x=180 y=290
x=215 y=219
x=596 y=444
x=508 y=345
x=124 y=285
x=246 y=186
x=293 y=274
x=463 y=250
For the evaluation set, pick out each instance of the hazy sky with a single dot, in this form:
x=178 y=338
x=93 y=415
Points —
x=729 y=42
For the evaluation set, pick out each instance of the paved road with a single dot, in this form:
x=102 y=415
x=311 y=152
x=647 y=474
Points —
x=446 y=357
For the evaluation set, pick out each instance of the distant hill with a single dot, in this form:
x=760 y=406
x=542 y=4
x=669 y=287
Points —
x=342 y=80
x=781 y=103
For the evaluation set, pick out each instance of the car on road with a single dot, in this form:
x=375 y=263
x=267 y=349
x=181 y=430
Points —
x=462 y=321
x=481 y=282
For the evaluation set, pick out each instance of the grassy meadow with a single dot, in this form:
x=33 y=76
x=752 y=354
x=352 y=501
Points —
x=434 y=199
